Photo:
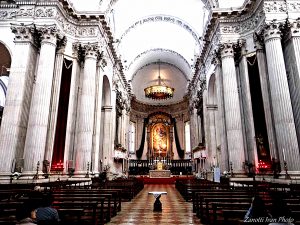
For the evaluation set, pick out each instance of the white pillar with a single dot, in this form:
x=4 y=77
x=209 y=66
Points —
x=70 y=142
x=292 y=62
x=86 y=109
x=232 y=109
x=96 y=157
x=264 y=84
x=281 y=101
x=212 y=145
x=224 y=161
x=36 y=136
x=58 y=65
x=247 y=108
x=18 y=98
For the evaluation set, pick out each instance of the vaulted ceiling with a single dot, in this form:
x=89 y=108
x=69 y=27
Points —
x=148 y=31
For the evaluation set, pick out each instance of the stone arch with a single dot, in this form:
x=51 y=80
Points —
x=106 y=92
x=212 y=92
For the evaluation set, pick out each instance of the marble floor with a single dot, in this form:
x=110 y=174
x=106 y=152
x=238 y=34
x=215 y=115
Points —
x=175 y=210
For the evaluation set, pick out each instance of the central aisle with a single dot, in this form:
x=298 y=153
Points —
x=140 y=210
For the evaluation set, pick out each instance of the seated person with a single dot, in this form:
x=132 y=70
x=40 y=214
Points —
x=25 y=214
x=45 y=214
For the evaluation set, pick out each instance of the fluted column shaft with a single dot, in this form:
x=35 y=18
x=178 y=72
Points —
x=232 y=109
x=85 y=119
x=18 y=98
x=247 y=108
x=224 y=161
x=36 y=136
x=281 y=102
x=58 y=65
x=264 y=84
x=292 y=62
x=212 y=133
x=70 y=142
x=96 y=157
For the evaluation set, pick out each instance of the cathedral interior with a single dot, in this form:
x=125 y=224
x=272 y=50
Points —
x=197 y=90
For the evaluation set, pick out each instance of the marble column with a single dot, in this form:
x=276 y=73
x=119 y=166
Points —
x=212 y=145
x=36 y=136
x=18 y=98
x=70 y=142
x=224 y=160
x=232 y=108
x=194 y=127
x=96 y=157
x=292 y=62
x=264 y=84
x=58 y=66
x=251 y=154
x=280 y=97
x=86 y=110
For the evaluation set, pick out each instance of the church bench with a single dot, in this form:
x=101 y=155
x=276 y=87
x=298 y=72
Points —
x=110 y=202
x=197 y=195
x=93 y=211
x=105 y=200
x=70 y=216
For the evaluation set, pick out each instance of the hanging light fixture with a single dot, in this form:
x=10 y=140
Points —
x=160 y=91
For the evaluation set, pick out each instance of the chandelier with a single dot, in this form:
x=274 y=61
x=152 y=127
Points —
x=160 y=91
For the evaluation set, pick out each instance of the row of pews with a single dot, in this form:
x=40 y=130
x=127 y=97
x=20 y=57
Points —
x=76 y=204
x=218 y=203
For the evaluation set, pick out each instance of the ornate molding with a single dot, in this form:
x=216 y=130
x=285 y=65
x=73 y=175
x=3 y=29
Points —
x=275 y=6
x=241 y=27
x=49 y=12
x=163 y=18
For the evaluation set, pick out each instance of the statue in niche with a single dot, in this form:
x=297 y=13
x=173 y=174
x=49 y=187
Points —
x=260 y=146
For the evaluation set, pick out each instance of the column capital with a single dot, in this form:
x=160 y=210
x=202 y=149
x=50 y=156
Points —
x=61 y=45
x=216 y=60
x=91 y=50
x=78 y=52
x=48 y=34
x=226 y=49
x=259 y=41
x=25 y=33
x=291 y=29
x=272 y=30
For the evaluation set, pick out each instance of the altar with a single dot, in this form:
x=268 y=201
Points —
x=159 y=173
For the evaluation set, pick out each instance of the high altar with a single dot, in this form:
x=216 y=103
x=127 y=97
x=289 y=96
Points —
x=159 y=172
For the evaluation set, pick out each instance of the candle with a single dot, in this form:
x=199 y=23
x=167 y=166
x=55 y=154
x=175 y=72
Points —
x=283 y=154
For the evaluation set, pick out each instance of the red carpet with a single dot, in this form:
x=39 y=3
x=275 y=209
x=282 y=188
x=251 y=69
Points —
x=169 y=180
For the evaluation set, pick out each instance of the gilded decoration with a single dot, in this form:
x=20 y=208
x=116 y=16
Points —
x=160 y=137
